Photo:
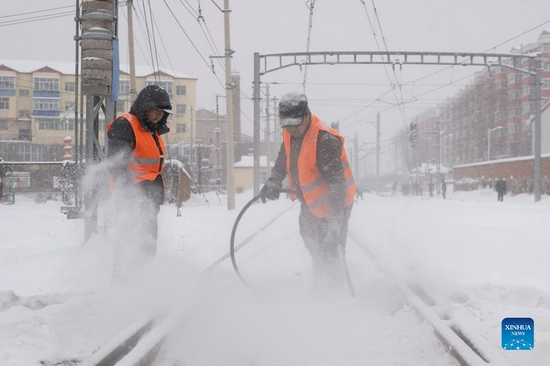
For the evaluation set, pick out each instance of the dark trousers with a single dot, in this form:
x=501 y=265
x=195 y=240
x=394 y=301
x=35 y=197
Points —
x=327 y=257
x=500 y=196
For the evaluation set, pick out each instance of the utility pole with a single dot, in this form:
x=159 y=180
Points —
x=131 y=55
x=378 y=152
x=276 y=137
x=356 y=157
x=218 y=131
x=438 y=172
x=191 y=155
x=267 y=130
x=396 y=156
x=229 y=111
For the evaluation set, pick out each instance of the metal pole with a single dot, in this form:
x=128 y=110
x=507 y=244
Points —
x=538 y=129
x=438 y=175
x=267 y=131
x=77 y=88
x=256 y=97
x=489 y=144
x=378 y=152
x=356 y=173
x=191 y=137
x=131 y=55
x=229 y=110
x=218 y=147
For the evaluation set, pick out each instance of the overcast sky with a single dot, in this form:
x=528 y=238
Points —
x=338 y=92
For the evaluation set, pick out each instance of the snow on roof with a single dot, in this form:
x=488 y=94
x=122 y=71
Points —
x=68 y=68
x=247 y=161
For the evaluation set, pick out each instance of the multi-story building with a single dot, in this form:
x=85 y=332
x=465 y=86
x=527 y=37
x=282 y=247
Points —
x=492 y=118
x=37 y=102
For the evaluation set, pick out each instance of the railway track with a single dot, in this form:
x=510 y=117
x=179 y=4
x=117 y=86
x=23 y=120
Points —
x=139 y=344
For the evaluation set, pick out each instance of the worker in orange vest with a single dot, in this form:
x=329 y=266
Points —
x=136 y=154
x=313 y=157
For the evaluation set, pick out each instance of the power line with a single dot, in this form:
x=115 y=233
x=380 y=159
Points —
x=308 y=44
x=36 y=18
x=36 y=11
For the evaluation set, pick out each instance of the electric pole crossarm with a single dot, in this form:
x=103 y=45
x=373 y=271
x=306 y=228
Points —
x=277 y=61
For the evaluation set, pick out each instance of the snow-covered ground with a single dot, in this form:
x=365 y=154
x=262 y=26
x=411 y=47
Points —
x=479 y=259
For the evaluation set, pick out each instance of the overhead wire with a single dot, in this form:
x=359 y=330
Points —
x=37 y=11
x=393 y=83
x=36 y=18
x=151 y=41
x=311 y=7
x=192 y=43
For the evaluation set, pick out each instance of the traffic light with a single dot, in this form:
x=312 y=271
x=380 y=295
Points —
x=413 y=134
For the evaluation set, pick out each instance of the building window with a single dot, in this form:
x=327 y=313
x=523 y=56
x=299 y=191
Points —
x=514 y=94
x=46 y=104
x=514 y=112
x=181 y=90
x=528 y=107
x=7 y=82
x=24 y=114
x=123 y=86
x=501 y=84
x=24 y=93
x=4 y=103
x=70 y=86
x=527 y=90
x=546 y=83
x=24 y=134
x=55 y=124
x=46 y=83
x=3 y=124
x=514 y=78
x=69 y=106
x=166 y=85
x=181 y=128
x=120 y=107
x=181 y=109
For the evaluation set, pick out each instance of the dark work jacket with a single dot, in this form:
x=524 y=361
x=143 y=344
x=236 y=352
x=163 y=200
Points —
x=329 y=164
x=122 y=141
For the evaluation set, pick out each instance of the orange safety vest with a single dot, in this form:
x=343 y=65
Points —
x=147 y=161
x=314 y=188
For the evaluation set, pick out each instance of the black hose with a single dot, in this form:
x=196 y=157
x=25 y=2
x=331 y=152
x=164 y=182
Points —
x=235 y=225
x=232 y=244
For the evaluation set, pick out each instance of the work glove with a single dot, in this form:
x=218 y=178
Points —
x=334 y=226
x=270 y=190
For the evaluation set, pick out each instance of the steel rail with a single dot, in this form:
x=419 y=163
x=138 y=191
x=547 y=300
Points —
x=468 y=350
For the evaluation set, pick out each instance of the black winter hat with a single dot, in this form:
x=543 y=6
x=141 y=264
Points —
x=292 y=109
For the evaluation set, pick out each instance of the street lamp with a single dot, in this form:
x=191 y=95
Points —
x=489 y=140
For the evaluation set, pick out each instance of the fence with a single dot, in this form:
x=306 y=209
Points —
x=61 y=181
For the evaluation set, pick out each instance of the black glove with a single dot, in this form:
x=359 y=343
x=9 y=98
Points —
x=270 y=190
x=334 y=226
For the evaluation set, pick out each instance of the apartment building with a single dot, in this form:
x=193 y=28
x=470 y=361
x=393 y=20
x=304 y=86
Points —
x=37 y=100
x=492 y=118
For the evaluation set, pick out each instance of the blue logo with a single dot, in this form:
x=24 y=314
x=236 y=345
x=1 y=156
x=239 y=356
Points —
x=518 y=334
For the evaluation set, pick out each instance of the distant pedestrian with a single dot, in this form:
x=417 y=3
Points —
x=443 y=188
x=394 y=188
x=358 y=193
x=431 y=188
x=500 y=187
